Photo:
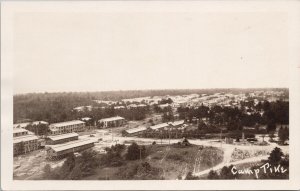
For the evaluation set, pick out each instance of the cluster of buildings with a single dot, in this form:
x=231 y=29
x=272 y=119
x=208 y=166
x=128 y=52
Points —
x=83 y=108
x=115 y=105
x=23 y=125
x=145 y=100
x=162 y=126
x=62 y=139
x=223 y=99
x=24 y=141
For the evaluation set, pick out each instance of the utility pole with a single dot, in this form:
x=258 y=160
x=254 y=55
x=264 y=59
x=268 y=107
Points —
x=140 y=153
x=221 y=137
x=169 y=136
x=160 y=137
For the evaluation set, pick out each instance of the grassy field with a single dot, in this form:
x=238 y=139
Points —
x=168 y=162
x=177 y=161
x=30 y=166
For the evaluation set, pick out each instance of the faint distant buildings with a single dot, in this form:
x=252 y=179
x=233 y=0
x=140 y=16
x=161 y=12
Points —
x=23 y=125
x=83 y=108
x=86 y=119
x=105 y=102
x=67 y=127
x=163 y=106
x=119 y=107
x=133 y=106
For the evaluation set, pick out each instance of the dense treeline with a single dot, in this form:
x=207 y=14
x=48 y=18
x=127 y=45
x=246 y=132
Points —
x=55 y=107
x=118 y=95
x=59 y=107
x=48 y=107
x=40 y=129
x=86 y=164
x=266 y=113
x=207 y=133
x=74 y=168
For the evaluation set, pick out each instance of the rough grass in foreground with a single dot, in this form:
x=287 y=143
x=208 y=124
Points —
x=162 y=162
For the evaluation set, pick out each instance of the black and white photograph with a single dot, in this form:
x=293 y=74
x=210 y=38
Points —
x=170 y=92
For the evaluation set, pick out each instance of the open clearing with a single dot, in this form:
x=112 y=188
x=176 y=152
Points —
x=175 y=161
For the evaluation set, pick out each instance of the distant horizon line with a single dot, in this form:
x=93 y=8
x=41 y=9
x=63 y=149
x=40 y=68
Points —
x=158 y=89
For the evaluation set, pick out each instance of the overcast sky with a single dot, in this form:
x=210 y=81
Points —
x=149 y=50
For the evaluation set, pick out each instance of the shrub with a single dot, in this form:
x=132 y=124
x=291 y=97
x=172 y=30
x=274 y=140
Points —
x=226 y=173
x=157 y=157
x=212 y=175
x=275 y=156
x=175 y=156
x=190 y=176
x=135 y=152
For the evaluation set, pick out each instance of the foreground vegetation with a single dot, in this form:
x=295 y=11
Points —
x=136 y=163
x=275 y=167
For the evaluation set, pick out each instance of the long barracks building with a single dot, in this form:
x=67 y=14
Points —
x=62 y=150
x=58 y=139
x=67 y=127
x=24 y=142
x=112 y=122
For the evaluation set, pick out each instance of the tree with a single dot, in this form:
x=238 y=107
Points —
x=88 y=162
x=212 y=175
x=47 y=170
x=275 y=156
x=283 y=134
x=133 y=152
x=271 y=126
x=166 y=101
x=227 y=174
x=272 y=136
x=168 y=116
x=190 y=176
x=76 y=173
x=67 y=166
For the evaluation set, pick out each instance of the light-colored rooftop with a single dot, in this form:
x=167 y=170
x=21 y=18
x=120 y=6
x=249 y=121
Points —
x=164 y=105
x=19 y=130
x=40 y=122
x=24 y=138
x=88 y=107
x=86 y=118
x=67 y=123
x=135 y=130
x=119 y=107
x=71 y=144
x=158 y=126
x=175 y=123
x=112 y=118
x=137 y=105
x=54 y=130
x=23 y=125
x=63 y=136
